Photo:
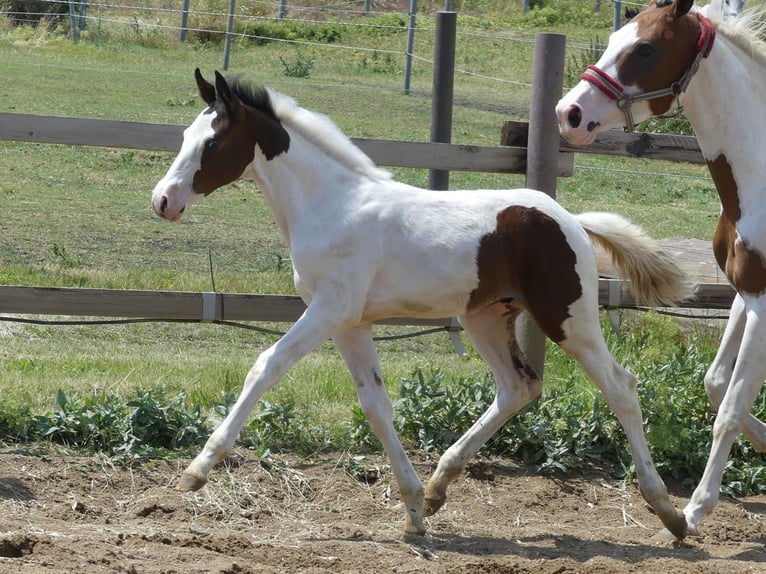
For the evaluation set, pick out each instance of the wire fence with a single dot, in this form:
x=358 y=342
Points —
x=504 y=90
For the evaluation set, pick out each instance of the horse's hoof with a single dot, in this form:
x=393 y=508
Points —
x=677 y=526
x=432 y=505
x=412 y=530
x=189 y=482
x=664 y=536
x=677 y=534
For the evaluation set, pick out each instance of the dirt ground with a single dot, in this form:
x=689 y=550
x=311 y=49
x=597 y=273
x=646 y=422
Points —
x=83 y=515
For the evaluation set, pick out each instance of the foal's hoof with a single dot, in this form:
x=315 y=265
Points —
x=432 y=505
x=670 y=536
x=677 y=525
x=190 y=482
x=411 y=529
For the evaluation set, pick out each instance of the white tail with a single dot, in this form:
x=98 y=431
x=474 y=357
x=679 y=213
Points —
x=654 y=277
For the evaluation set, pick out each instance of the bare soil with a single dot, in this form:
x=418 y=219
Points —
x=62 y=513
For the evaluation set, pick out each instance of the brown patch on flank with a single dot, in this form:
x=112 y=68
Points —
x=675 y=41
x=527 y=258
x=377 y=378
x=743 y=266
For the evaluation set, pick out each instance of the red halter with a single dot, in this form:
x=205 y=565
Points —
x=614 y=90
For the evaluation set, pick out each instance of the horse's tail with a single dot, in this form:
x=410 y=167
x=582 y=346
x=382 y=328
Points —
x=654 y=277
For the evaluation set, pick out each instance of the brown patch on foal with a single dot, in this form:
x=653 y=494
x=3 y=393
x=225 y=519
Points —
x=744 y=266
x=527 y=259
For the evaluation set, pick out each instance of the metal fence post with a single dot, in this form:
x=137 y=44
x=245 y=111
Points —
x=184 y=20
x=542 y=156
x=410 y=46
x=229 y=34
x=73 y=21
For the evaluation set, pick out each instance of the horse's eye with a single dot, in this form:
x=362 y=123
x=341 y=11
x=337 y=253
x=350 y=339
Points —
x=645 y=50
x=211 y=144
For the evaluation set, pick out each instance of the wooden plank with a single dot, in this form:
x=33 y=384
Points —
x=706 y=296
x=90 y=132
x=170 y=305
x=189 y=306
x=668 y=147
x=455 y=157
x=160 y=137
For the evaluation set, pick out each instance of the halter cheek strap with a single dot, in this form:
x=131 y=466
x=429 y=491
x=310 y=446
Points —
x=614 y=90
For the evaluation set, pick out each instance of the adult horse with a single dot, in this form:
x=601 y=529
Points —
x=365 y=247
x=717 y=72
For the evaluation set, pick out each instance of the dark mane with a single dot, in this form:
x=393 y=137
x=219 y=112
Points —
x=254 y=96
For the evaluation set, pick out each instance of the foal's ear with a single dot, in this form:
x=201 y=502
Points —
x=683 y=7
x=206 y=89
x=231 y=101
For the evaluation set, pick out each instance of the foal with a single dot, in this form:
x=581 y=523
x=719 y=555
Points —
x=365 y=247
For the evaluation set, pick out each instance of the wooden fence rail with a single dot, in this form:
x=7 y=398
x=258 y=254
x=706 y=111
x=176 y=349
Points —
x=162 y=137
x=194 y=306
x=210 y=306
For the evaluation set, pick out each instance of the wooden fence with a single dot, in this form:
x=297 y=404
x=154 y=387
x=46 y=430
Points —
x=188 y=306
x=511 y=157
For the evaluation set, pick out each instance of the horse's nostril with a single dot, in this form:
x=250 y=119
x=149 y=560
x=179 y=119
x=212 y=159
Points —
x=163 y=204
x=574 y=117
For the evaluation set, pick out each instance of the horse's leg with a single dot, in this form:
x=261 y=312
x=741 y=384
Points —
x=720 y=372
x=316 y=325
x=357 y=348
x=744 y=386
x=586 y=345
x=492 y=331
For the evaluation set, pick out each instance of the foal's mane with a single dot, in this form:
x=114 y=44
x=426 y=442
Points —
x=312 y=126
x=746 y=32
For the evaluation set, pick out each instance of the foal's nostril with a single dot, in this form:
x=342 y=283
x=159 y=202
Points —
x=163 y=204
x=574 y=117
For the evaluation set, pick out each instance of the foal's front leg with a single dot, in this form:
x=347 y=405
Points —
x=358 y=351
x=720 y=372
x=315 y=326
x=734 y=412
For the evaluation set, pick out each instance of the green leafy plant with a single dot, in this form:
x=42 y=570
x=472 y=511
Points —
x=167 y=423
x=299 y=68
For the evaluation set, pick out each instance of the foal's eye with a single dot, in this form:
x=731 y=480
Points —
x=645 y=50
x=211 y=144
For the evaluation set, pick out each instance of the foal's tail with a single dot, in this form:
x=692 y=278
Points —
x=654 y=277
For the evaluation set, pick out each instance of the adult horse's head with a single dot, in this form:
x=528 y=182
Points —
x=647 y=65
x=220 y=144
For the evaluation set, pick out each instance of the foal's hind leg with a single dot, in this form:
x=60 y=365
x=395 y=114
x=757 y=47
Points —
x=492 y=331
x=586 y=345
x=720 y=372
x=358 y=351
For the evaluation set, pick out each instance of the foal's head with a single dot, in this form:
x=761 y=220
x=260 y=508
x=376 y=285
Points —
x=646 y=66
x=220 y=144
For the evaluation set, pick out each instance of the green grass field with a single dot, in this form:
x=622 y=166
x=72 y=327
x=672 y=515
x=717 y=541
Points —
x=75 y=216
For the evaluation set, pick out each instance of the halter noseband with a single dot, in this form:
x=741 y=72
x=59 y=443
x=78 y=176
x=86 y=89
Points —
x=614 y=90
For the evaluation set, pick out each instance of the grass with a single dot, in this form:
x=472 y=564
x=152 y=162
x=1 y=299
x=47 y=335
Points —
x=75 y=216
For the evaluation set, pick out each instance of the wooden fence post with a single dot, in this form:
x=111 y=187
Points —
x=443 y=88
x=542 y=151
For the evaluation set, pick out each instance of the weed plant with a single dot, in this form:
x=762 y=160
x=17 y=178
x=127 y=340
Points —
x=570 y=428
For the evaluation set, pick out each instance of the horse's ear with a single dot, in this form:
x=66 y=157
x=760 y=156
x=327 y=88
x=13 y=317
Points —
x=683 y=7
x=206 y=89
x=230 y=100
